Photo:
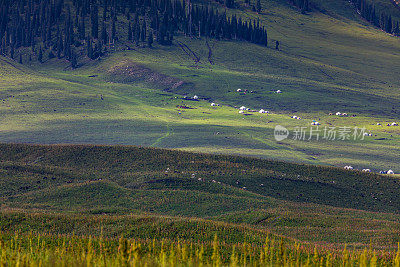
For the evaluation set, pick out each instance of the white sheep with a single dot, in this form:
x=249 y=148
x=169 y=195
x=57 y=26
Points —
x=390 y=172
x=366 y=170
x=213 y=104
x=279 y=92
x=195 y=97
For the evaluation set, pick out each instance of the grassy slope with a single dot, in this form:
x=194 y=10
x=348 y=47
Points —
x=128 y=180
x=329 y=62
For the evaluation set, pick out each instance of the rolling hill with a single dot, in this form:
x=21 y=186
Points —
x=292 y=199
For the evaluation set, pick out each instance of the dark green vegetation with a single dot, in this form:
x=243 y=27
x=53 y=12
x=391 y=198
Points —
x=283 y=198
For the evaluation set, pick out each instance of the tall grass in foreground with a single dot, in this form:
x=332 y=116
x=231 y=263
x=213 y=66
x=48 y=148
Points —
x=60 y=250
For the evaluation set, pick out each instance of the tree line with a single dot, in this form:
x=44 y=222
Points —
x=66 y=29
x=303 y=5
x=380 y=20
x=366 y=10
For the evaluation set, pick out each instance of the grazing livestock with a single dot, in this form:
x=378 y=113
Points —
x=390 y=172
x=348 y=167
x=195 y=97
x=279 y=92
x=366 y=170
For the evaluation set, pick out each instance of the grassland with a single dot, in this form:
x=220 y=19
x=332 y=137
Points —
x=352 y=69
x=171 y=242
x=71 y=204
x=123 y=205
x=313 y=204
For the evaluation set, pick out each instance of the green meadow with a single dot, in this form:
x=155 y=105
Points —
x=115 y=164
x=329 y=62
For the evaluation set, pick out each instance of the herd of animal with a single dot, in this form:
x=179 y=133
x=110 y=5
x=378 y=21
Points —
x=368 y=170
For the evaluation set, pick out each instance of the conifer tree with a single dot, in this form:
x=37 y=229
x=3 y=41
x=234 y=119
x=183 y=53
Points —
x=40 y=56
x=258 y=6
x=150 y=39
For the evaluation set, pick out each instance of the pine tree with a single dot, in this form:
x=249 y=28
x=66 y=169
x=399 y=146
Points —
x=113 y=31
x=82 y=30
x=89 y=48
x=150 y=39
x=40 y=56
x=130 y=32
x=258 y=6
x=143 y=32
x=95 y=21
x=396 y=30
x=104 y=37
x=74 y=61
x=388 y=24
x=12 y=50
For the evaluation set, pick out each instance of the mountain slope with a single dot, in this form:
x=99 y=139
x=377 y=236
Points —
x=328 y=62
